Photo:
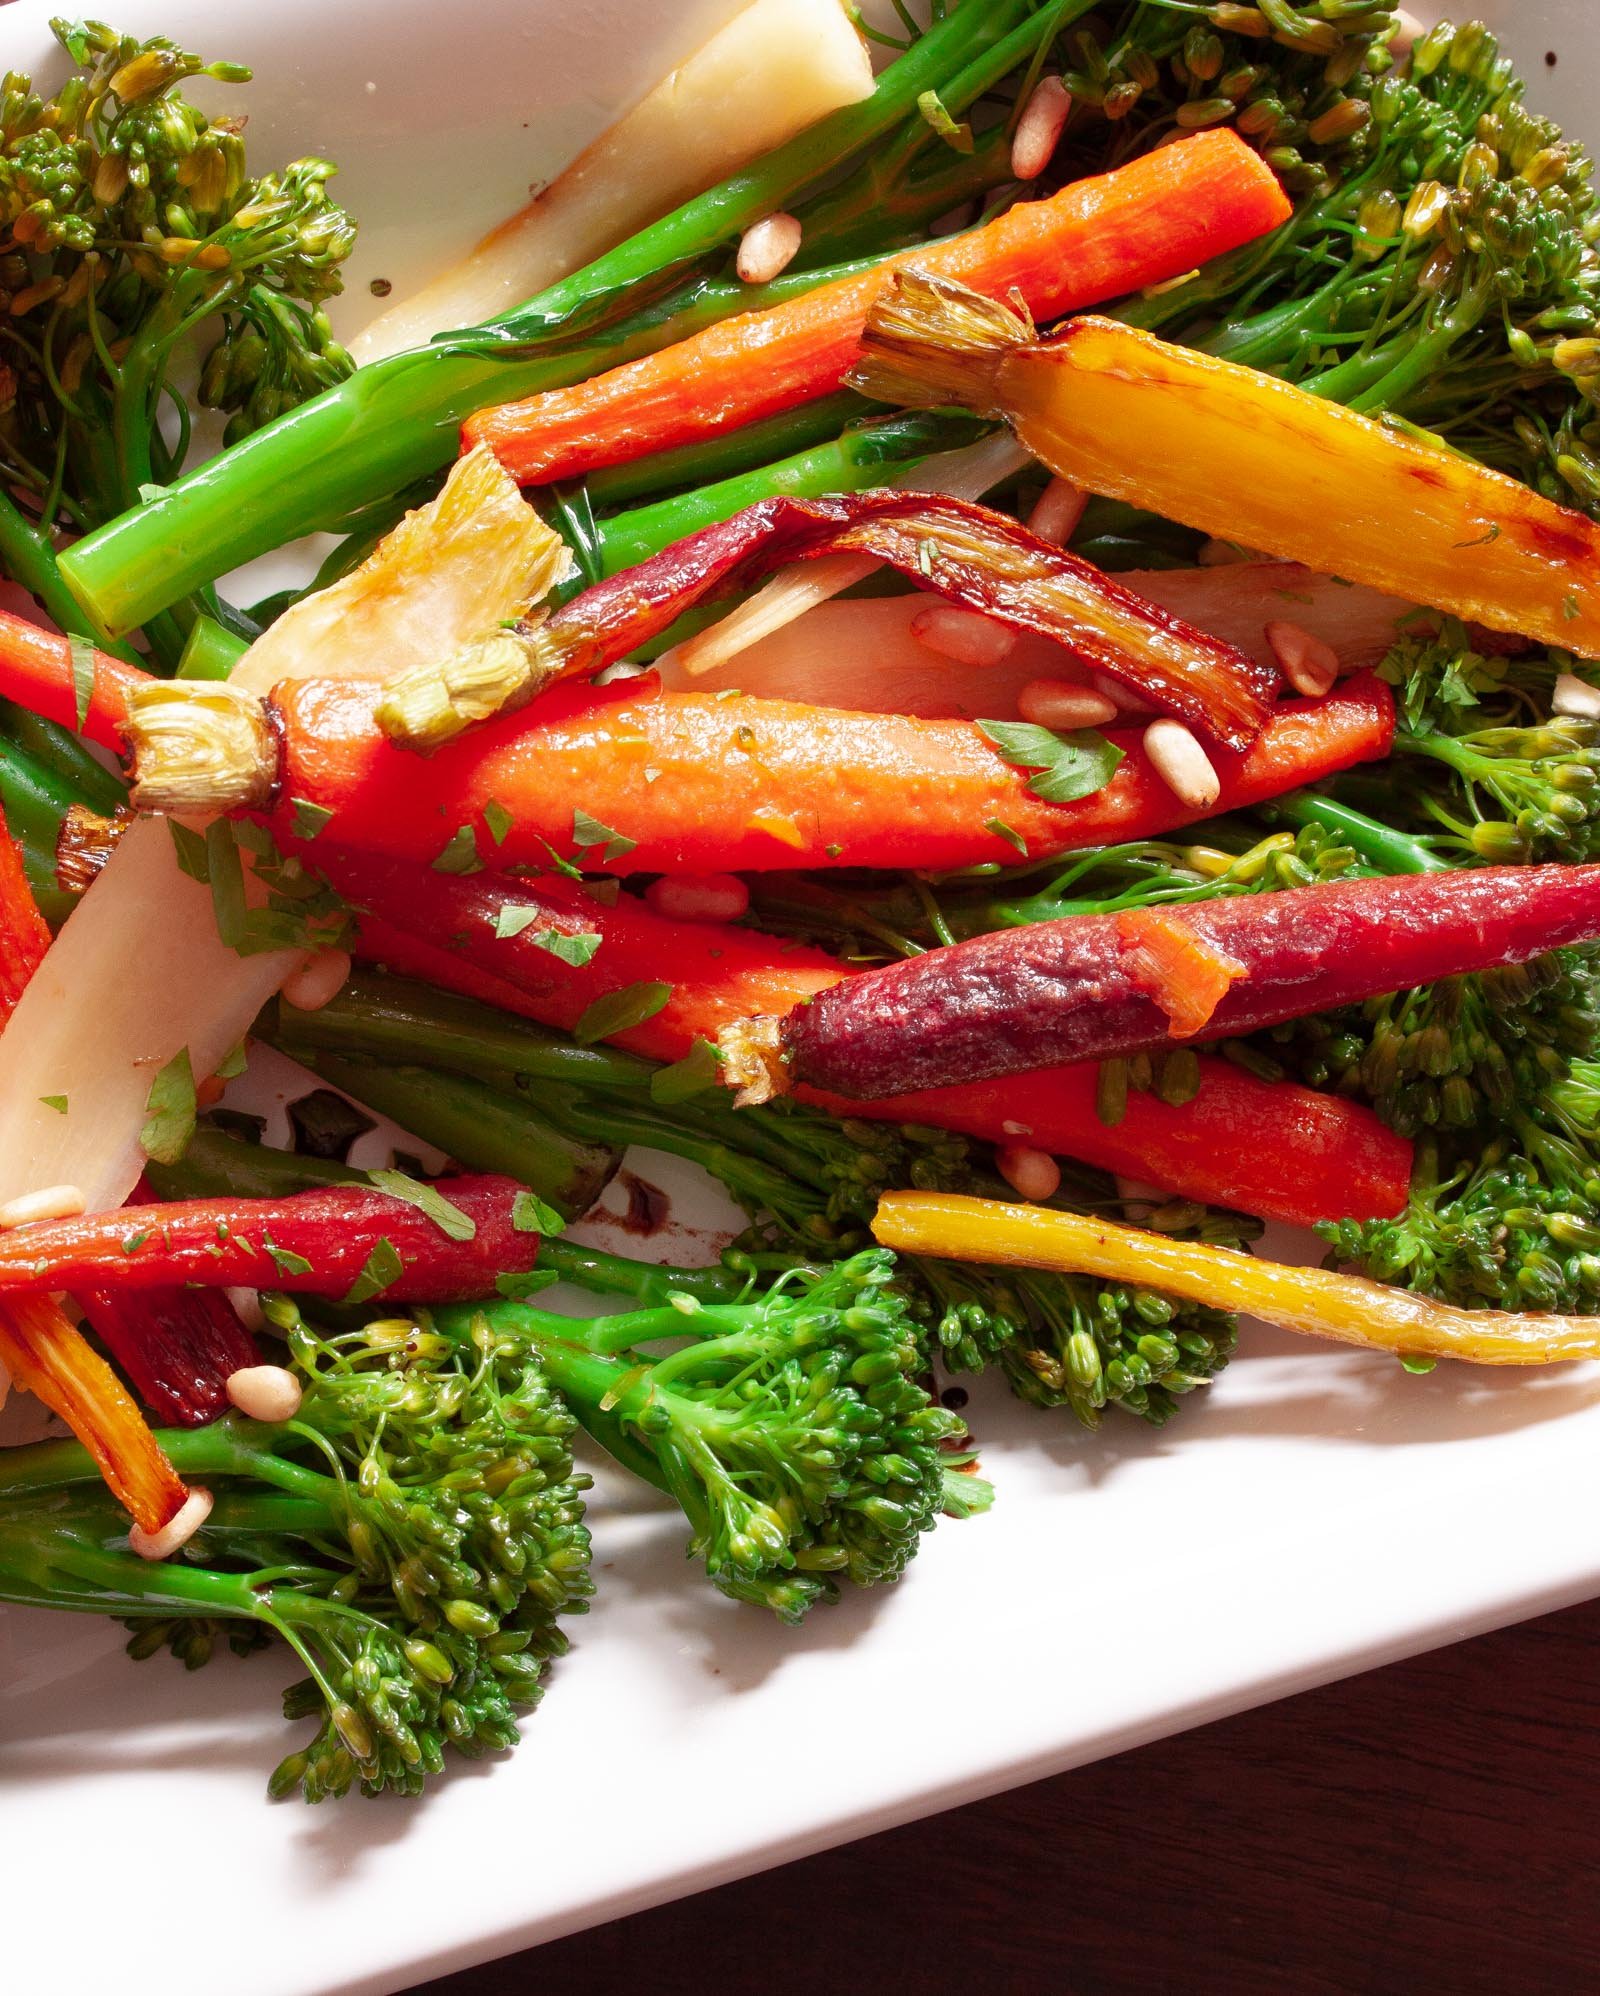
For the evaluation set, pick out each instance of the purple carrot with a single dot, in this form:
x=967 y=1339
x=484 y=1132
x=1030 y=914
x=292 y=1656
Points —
x=177 y=1347
x=961 y=551
x=1092 y=987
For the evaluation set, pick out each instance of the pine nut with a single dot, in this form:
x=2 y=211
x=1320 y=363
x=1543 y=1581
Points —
x=964 y=635
x=318 y=982
x=1576 y=698
x=1182 y=764
x=1031 y=1174
x=51 y=1202
x=712 y=897
x=767 y=247
x=1057 y=511
x=1039 y=129
x=177 y=1531
x=1309 y=663
x=1123 y=698
x=265 y=1392
x=1017 y=1129
x=1055 y=703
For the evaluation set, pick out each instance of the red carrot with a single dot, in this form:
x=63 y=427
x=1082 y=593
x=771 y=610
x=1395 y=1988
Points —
x=1080 y=989
x=38 y=670
x=964 y=552
x=443 y=1243
x=177 y=1346
x=1270 y=1148
x=1149 y=221
x=24 y=938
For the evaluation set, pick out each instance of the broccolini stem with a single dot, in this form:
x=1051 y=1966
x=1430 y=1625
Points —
x=650 y=1282
x=1385 y=848
x=711 y=459
x=872 y=455
x=397 y=420
x=482 y=1131
x=229 y=1447
x=64 y=757
x=27 y=557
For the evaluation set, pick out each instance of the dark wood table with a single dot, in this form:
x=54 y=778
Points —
x=1432 y=1828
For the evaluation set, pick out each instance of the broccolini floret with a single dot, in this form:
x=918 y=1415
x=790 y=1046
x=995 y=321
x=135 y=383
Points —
x=1517 y=1229
x=792 y=1430
x=414 y=1535
x=139 y=235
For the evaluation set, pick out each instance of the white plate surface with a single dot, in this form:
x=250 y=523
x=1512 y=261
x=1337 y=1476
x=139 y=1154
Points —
x=1318 y=1513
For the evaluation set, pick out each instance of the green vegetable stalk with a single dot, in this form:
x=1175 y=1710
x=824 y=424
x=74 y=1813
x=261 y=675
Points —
x=791 y=1430
x=395 y=421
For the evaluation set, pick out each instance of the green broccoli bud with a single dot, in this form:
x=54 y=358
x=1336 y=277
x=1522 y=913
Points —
x=792 y=1430
x=414 y=1535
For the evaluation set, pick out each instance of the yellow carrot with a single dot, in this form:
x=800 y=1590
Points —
x=1314 y=1301
x=1247 y=457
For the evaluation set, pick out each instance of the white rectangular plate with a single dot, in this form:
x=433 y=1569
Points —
x=1317 y=1513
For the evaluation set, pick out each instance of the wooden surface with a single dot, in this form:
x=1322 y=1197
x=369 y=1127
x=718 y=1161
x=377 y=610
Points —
x=1432 y=1829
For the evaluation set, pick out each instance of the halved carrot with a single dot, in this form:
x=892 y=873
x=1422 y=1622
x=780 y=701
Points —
x=697 y=783
x=1242 y=454
x=1146 y=222
x=1269 y=1148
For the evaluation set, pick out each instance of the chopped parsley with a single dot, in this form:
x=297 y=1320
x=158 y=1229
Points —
x=1069 y=766
x=618 y=1010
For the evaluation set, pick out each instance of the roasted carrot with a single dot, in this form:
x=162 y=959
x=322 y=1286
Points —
x=1080 y=989
x=964 y=552
x=442 y=1243
x=1314 y=1301
x=1270 y=1148
x=629 y=778
x=1249 y=457
x=85 y=689
x=47 y=1354
x=177 y=1346
x=1146 y=222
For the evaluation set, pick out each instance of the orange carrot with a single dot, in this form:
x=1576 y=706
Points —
x=46 y=1353
x=1144 y=223
x=1186 y=975
x=630 y=778
x=1270 y=1148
